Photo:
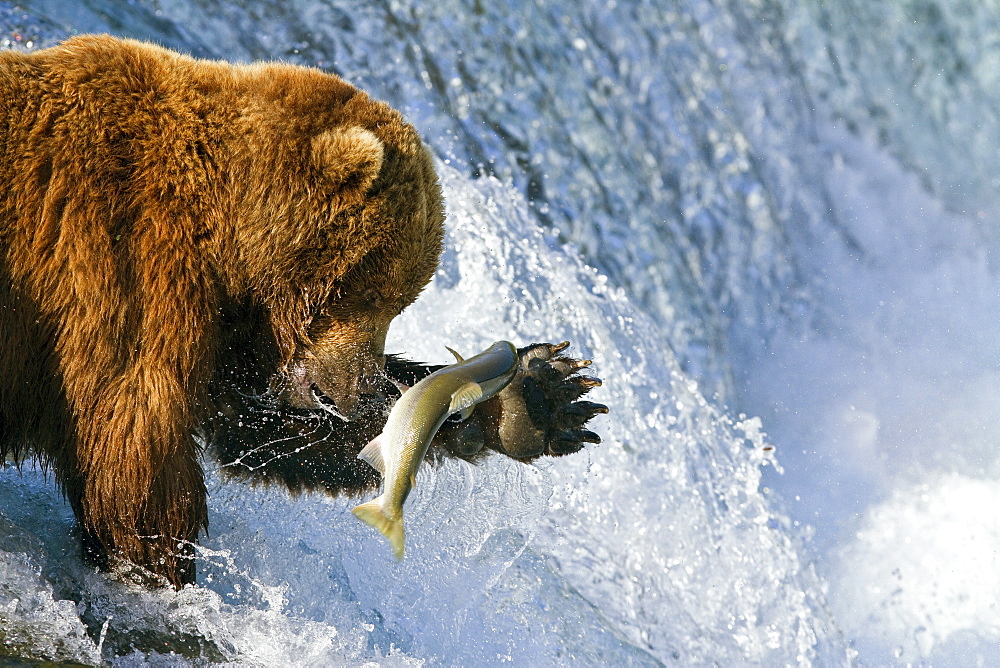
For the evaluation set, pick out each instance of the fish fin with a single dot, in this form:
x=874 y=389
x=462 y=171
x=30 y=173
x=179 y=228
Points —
x=457 y=356
x=372 y=454
x=372 y=514
x=464 y=398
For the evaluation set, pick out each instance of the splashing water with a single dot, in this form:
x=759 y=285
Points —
x=646 y=549
x=787 y=209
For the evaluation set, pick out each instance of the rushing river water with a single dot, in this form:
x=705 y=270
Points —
x=773 y=226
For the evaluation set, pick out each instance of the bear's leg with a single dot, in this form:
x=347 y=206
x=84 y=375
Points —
x=172 y=559
x=175 y=512
x=539 y=413
x=298 y=449
x=154 y=528
x=137 y=487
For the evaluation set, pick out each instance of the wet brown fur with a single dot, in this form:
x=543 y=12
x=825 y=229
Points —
x=195 y=249
x=157 y=212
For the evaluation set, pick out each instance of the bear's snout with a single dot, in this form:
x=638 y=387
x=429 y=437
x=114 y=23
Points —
x=344 y=399
x=338 y=385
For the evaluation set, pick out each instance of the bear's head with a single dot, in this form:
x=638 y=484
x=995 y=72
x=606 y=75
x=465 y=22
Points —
x=351 y=224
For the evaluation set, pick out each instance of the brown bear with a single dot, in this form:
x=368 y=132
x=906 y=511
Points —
x=196 y=253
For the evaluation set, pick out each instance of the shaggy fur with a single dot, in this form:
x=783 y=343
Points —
x=189 y=246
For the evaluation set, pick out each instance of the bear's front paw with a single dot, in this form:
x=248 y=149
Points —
x=539 y=409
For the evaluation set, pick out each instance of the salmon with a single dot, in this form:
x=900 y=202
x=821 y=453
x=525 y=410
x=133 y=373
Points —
x=414 y=420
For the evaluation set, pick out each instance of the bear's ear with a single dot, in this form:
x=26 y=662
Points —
x=348 y=158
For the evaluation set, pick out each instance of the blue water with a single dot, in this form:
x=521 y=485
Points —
x=772 y=224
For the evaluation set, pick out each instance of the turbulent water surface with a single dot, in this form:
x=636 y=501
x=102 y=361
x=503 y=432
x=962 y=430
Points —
x=771 y=223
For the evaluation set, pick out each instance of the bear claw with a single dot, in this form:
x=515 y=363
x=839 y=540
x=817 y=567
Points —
x=540 y=411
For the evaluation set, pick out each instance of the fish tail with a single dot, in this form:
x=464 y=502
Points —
x=372 y=514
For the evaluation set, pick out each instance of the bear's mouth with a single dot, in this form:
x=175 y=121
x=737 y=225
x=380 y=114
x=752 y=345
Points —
x=377 y=398
x=326 y=403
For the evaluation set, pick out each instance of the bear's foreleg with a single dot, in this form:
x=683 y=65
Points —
x=135 y=353
x=140 y=494
x=540 y=413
